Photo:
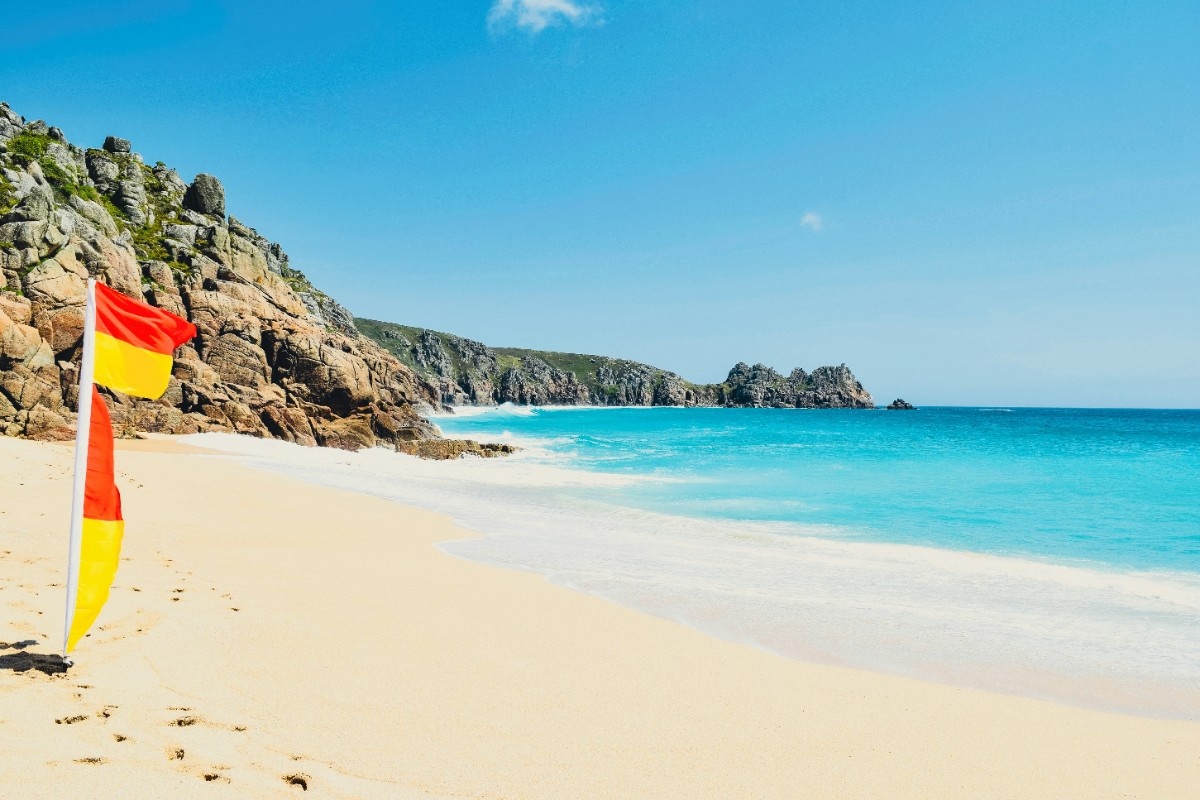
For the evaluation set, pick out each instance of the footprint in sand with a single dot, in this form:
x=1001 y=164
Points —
x=299 y=779
x=209 y=773
x=103 y=714
x=188 y=718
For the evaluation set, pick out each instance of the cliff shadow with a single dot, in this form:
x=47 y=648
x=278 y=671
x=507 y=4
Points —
x=22 y=660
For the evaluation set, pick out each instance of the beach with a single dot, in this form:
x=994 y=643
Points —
x=266 y=637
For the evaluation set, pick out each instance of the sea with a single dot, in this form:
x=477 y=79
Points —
x=1045 y=552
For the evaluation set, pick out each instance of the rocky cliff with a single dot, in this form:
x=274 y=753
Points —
x=466 y=372
x=273 y=356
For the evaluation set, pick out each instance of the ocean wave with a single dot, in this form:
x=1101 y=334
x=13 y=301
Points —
x=502 y=410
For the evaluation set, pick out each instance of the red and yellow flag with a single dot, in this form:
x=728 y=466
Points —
x=134 y=343
x=103 y=525
x=127 y=346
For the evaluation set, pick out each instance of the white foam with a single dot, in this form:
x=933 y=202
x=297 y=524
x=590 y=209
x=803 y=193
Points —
x=501 y=410
x=1116 y=640
x=515 y=410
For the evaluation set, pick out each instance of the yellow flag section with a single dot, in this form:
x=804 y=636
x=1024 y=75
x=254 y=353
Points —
x=128 y=347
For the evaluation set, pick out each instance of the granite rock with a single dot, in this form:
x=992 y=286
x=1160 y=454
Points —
x=115 y=144
x=206 y=195
x=273 y=356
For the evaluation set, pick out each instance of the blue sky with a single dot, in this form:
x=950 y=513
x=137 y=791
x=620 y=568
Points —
x=976 y=203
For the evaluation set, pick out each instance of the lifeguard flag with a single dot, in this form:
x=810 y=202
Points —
x=135 y=343
x=127 y=346
x=102 y=527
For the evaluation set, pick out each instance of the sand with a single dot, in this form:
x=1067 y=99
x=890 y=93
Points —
x=267 y=637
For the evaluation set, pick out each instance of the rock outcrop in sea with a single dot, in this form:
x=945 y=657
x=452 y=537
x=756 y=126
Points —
x=467 y=372
x=273 y=357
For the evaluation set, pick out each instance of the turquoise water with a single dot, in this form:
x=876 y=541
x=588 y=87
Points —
x=1045 y=552
x=1115 y=488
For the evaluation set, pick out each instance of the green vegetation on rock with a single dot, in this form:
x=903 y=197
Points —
x=8 y=197
x=148 y=243
x=29 y=146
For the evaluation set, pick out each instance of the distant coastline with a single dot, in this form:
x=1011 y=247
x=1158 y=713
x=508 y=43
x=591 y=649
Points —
x=467 y=373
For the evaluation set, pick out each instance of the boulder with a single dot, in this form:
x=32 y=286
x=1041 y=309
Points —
x=115 y=144
x=130 y=195
x=900 y=405
x=345 y=433
x=55 y=282
x=26 y=235
x=289 y=424
x=102 y=170
x=43 y=424
x=94 y=213
x=206 y=195
x=34 y=207
x=444 y=449
x=171 y=182
x=238 y=361
x=16 y=308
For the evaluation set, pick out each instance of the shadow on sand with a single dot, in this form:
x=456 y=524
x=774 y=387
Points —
x=23 y=661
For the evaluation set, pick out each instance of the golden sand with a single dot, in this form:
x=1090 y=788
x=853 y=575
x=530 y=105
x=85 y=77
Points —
x=266 y=636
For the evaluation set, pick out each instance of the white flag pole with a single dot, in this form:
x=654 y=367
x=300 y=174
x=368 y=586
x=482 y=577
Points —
x=87 y=364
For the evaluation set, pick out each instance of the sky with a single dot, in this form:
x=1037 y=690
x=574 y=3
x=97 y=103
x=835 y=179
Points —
x=988 y=203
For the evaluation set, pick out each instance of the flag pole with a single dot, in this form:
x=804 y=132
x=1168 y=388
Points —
x=87 y=364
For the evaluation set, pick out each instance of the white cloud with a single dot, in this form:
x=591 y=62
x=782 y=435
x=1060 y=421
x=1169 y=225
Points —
x=534 y=16
x=812 y=220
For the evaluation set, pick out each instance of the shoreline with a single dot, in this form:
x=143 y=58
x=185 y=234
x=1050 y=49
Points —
x=954 y=617
x=478 y=408
x=270 y=629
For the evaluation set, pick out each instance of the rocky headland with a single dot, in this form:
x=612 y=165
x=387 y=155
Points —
x=466 y=372
x=274 y=356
